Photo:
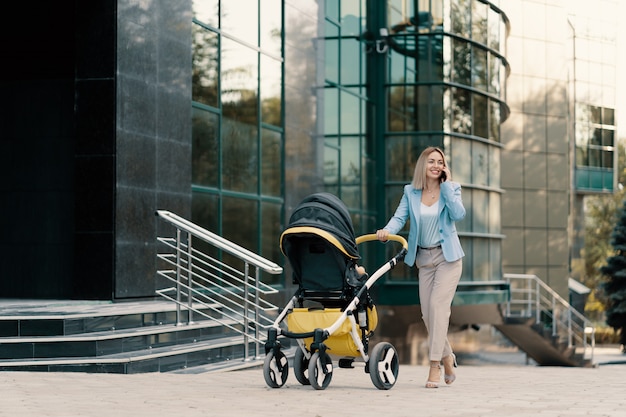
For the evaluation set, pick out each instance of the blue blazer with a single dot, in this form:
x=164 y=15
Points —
x=451 y=210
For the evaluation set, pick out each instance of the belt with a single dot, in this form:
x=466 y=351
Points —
x=431 y=247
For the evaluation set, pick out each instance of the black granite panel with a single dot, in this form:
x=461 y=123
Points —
x=135 y=266
x=129 y=321
x=95 y=117
x=74 y=326
x=92 y=368
x=135 y=209
x=9 y=328
x=142 y=342
x=38 y=40
x=171 y=363
x=99 y=324
x=109 y=346
x=95 y=38
x=136 y=112
x=174 y=166
x=41 y=327
x=93 y=276
x=144 y=366
x=137 y=50
x=95 y=190
x=136 y=160
x=17 y=350
x=65 y=349
x=174 y=113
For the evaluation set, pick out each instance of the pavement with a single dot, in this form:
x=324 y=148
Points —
x=491 y=389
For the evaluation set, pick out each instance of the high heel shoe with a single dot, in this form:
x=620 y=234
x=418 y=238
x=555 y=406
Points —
x=449 y=378
x=432 y=382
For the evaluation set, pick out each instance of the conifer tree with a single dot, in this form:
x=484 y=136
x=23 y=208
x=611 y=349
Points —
x=615 y=285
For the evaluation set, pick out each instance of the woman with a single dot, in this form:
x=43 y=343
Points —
x=433 y=204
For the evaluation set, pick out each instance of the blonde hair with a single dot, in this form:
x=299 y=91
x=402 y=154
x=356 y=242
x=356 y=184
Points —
x=419 y=175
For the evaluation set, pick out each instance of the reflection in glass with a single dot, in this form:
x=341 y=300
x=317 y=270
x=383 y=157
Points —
x=206 y=11
x=205 y=155
x=481 y=116
x=240 y=218
x=461 y=151
x=271 y=27
x=270 y=162
x=461 y=111
x=494 y=213
x=480 y=211
x=350 y=113
x=479 y=68
x=271 y=228
x=240 y=156
x=240 y=19
x=400 y=108
x=460 y=16
x=480 y=163
x=494 y=121
x=350 y=60
x=239 y=76
x=331 y=163
x=204 y=76
x=494 y=169
x=270 y=90
x=461 y=68
x=205 y=212
x=350 y=160
x=331 y=60
x=480 y=27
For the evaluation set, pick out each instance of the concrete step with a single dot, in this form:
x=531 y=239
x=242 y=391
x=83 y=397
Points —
x=160 y=359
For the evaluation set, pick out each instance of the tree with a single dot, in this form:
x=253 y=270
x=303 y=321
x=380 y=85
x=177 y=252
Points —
x=615 y=286
x=601 y=215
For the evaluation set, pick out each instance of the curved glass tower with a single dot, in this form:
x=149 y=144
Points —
x=444 y=85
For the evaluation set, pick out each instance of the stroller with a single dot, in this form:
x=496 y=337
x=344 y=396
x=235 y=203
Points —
x=331 y=315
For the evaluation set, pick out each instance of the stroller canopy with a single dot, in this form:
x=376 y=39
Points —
x=328 y=213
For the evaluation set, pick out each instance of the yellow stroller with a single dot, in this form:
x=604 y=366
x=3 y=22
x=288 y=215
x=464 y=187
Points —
x=331 y=315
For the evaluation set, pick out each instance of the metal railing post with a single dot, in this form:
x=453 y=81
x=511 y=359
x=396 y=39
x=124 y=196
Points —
x=178 y=285
x=189 y=280
x=257 y=313
x=569 y=327
x=537 y=300
x=555 y=321
x=246 y=337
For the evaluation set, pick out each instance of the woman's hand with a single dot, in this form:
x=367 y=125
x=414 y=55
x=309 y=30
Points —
x=382 y=235
x=447 y=175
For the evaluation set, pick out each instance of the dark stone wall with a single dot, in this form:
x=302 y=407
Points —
x=153 y=134
x=37 y=150
x=95 y=136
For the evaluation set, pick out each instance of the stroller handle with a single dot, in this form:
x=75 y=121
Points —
x=372 y=236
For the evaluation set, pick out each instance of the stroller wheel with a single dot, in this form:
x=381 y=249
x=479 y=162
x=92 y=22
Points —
x=275 y=369
x=301 y=367
x=383 y=365
x=320 y=370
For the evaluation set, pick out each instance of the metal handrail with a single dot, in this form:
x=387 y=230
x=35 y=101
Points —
x=533 y=299
x=206 y=285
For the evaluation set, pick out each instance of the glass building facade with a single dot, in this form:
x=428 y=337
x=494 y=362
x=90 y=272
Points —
x=231 y=118
x=390 y=79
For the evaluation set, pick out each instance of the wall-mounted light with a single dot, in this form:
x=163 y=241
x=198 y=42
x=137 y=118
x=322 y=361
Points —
x=372 y=44
x=381 y=43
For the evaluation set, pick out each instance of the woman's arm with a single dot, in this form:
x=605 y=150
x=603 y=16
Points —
x=452 y=198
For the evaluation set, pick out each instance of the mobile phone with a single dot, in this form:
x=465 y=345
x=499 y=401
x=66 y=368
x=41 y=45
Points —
x=443 y=176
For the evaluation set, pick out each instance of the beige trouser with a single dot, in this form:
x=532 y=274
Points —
x=438 y=280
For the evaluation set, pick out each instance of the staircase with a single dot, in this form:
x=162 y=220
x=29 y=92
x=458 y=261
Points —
x=214 y=313
x=214 y=316
x=545 y=326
